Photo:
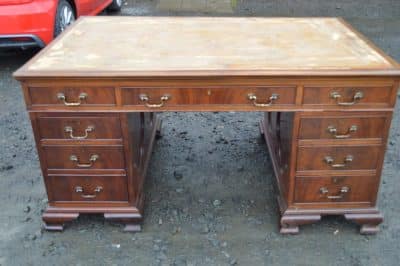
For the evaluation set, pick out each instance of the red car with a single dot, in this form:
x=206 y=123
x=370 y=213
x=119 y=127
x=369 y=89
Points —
x=30 y=23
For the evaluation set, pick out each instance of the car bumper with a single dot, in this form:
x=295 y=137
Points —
x=30 y=23
x=20 y=41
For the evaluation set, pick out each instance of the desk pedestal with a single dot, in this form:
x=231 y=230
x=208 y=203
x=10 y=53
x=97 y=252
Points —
x=282 y=134
x=72 y=190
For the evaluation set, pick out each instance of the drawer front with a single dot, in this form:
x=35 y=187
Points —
x=336 y=189
x=84 y=158
x=87 y=188
x=342 y=127
x=80 y=127
x=348 y=97
x=338 y=158
x=72 y=97
x=183 y=96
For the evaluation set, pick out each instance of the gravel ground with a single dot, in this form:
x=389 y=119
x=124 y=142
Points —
x=209 y=186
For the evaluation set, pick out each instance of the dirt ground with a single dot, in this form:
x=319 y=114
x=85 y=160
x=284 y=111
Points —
x=209 y=186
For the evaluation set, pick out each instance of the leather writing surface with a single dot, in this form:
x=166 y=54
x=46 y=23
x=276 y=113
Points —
x=117 y=44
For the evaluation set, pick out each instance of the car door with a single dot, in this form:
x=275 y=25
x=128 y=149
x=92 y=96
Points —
x=84 y=7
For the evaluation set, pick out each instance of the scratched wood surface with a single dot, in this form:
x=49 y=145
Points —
x=142 y=45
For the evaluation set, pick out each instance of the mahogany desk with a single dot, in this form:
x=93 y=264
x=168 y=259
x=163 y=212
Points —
x=328 y=95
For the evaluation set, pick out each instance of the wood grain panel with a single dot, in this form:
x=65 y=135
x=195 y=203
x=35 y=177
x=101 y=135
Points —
x=210 y=95
x=95 y=96
x=63 y=188
x=313 y=158
x=109 y=157
x=104 y=127
x=321 y=96
x=359 y=189
x=320 y=128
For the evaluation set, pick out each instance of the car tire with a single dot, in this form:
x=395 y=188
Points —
x=115 y=5
x=65 y=16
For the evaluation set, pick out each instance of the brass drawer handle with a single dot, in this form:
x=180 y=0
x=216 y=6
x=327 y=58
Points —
x=146 y=99
x=97 y=190
x=357 y=96
x=343 y=191
x=333 y=131
x=69 y=130
x=329 y=160
x=92 y=159
x=82 y=97
x=252 y=97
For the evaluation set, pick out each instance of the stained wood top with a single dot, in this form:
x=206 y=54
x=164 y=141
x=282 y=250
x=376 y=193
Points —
x=200 y=46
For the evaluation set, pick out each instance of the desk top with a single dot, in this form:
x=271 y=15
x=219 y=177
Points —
x=200 y=46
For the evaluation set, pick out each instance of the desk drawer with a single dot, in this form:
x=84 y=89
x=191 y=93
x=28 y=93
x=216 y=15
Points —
x=348 y=97
x=87 y=188
x=160 y=97
x=342 y=127
x=336 y=189
x=72 y=97
x=84 y=157
x=338 y=158
x=78 y=127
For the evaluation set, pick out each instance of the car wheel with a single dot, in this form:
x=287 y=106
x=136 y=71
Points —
x=64 y=17
x=115 y=5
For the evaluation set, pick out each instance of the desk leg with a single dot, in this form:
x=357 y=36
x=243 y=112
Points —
x=54 y=221
x=130 y=220
x=369 y=222
x=290 y=223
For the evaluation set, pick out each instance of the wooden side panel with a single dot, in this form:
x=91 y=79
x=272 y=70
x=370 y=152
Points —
x=277 y=128
x=139 y=133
